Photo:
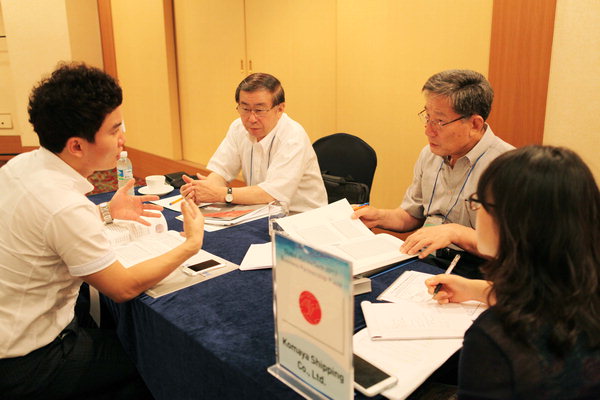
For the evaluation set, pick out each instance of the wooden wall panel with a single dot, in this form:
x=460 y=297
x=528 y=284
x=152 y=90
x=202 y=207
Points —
x=520 y=51
x=145 y=164
x=107 y=37
x=10 y=146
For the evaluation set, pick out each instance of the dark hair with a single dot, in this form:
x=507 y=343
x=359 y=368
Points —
x=469 y=92
x=261 y=81
x=546 y=205
x=72 y=102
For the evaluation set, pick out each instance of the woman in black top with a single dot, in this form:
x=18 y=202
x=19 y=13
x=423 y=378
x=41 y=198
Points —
x=539 y=221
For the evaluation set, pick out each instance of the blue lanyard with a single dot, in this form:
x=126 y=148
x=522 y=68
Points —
x=459 y=193
x=252 y=159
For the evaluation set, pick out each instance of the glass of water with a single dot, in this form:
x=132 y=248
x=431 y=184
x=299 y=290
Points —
x=277 y=209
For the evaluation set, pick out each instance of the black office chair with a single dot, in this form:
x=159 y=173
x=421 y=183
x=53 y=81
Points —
x=348 y=166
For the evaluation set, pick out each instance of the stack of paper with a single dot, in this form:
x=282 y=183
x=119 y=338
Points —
x=413 y=314
x=258 y=256
x=331 y=228
x=134 y=243
x=411 y=361
x=414 y=335
x=233 y=214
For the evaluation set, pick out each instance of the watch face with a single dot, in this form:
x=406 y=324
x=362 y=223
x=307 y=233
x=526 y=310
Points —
x=228 y=197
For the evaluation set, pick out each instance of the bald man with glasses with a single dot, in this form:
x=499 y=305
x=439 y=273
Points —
x=272 y=151
x=461 y=145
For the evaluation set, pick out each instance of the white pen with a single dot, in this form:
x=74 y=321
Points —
x=448 y=271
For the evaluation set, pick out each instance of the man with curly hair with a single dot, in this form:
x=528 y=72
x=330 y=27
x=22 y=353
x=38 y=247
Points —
x=52 y=240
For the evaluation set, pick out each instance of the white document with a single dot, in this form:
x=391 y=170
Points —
x=258 y=256
x=123 y=231
x=408 y=320
x=410 y=286
x=332 y=229
x=411 y=361
x=212 y=225
x=414 y=314
x=134 y=243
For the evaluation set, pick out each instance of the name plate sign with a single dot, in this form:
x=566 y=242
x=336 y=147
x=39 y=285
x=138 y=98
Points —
x=313 y=303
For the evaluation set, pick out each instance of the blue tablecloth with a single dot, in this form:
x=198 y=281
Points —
x=215 y=340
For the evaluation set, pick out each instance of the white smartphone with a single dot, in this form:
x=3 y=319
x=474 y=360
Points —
x=370 y=380
x=202 y=267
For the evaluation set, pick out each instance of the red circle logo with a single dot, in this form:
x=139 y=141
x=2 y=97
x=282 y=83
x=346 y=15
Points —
x=310 y=307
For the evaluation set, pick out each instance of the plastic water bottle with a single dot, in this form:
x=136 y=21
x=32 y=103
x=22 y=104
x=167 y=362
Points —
x=124 y=171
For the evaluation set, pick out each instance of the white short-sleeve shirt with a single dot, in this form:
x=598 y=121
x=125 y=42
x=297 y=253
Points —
x=51 y=234
x=283 y=163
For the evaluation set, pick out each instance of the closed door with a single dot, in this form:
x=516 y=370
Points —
x=220 y=42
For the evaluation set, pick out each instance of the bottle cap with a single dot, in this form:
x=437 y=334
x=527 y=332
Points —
x=124 y=154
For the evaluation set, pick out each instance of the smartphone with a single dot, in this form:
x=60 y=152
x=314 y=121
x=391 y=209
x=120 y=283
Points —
x=202 y=267
x=370 y=380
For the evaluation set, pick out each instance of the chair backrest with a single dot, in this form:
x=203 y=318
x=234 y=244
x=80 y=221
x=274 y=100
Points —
x=346 y=156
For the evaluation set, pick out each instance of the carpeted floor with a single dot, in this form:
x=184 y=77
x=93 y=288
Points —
x=106 y=181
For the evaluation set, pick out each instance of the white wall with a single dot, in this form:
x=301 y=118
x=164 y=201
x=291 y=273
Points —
x=7 y=91
x=38 y=37
x=573 y=107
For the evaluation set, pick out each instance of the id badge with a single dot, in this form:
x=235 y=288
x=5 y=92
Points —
x=434 y=220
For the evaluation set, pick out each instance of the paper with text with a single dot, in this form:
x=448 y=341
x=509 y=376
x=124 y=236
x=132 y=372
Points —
x=410 y=286
x=411 y=361
x=332 y=229
x=134 y=243
x=408 y=320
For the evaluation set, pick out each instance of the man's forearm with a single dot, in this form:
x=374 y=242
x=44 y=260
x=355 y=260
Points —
x=251 y=195
x=465 y=238
x=399 y=220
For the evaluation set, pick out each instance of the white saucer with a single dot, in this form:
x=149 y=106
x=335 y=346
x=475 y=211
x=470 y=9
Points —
x=160 y=191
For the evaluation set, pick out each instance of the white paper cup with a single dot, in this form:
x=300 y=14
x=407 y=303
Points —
x=155 y=182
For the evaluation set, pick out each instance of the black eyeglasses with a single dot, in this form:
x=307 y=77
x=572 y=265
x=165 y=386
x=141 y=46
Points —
x=474 y=203
x=436 y=124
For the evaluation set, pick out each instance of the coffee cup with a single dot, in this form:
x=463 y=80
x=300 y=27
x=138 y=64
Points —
x=155 y=182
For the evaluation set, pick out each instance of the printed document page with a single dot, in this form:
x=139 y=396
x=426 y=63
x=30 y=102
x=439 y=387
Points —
x=123 y=231
x=411 y=361
x=413 y=314
x=410 y=286
x=134 y=243
x=332 y=229
x=408 y=320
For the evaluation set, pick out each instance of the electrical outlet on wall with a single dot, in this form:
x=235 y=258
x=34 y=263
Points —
x=5 y=121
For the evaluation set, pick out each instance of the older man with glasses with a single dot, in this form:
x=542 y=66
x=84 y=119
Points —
x=461 y=145
x=272 y=151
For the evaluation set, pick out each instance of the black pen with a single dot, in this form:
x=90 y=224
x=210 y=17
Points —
x=448 y=271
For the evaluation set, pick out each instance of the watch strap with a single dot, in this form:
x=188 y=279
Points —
x=105 y=211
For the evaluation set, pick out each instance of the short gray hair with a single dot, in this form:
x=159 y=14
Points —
x=469 y=92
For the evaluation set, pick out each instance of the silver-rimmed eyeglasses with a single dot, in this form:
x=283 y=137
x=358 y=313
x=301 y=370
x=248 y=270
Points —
x=258 y=112
x=436 y=123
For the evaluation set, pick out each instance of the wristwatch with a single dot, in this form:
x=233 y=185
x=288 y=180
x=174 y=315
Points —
x=229 y=195
x=105 y=211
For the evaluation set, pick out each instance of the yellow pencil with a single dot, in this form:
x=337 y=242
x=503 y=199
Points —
x=176 y=201
x=359 y=206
